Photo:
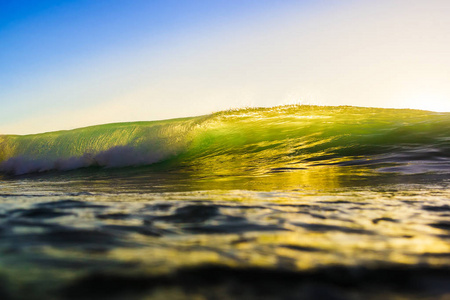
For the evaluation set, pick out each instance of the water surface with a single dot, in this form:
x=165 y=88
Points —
x=296 y=202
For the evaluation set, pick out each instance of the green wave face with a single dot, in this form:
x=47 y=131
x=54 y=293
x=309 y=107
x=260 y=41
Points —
x=248 y=141
x=111 y=145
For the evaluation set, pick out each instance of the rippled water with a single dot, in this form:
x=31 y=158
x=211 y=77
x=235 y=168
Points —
x=123 y=235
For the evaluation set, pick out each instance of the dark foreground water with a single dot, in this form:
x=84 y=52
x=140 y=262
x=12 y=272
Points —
x=98 y=235
x=295 y=202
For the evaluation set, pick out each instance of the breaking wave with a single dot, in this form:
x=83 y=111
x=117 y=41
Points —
x=256 y=140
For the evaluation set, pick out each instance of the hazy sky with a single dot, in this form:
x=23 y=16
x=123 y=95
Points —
x=67 y=64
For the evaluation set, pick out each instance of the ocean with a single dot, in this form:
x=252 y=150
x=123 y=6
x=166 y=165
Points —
x=289 y=202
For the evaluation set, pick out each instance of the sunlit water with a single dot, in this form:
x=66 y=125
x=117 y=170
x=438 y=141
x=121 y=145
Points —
x=293 y=211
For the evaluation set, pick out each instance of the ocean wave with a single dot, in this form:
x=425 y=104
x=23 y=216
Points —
x=255 y=140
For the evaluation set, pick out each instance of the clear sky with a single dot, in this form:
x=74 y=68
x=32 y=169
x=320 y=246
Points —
x=68 y=64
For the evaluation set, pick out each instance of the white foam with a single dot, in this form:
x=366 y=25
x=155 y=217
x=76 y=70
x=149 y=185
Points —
x=119 y=156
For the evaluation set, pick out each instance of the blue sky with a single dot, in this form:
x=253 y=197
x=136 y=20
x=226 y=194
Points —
x=66 y=64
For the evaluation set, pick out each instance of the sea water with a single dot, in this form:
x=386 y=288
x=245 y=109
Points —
x=291 y=202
